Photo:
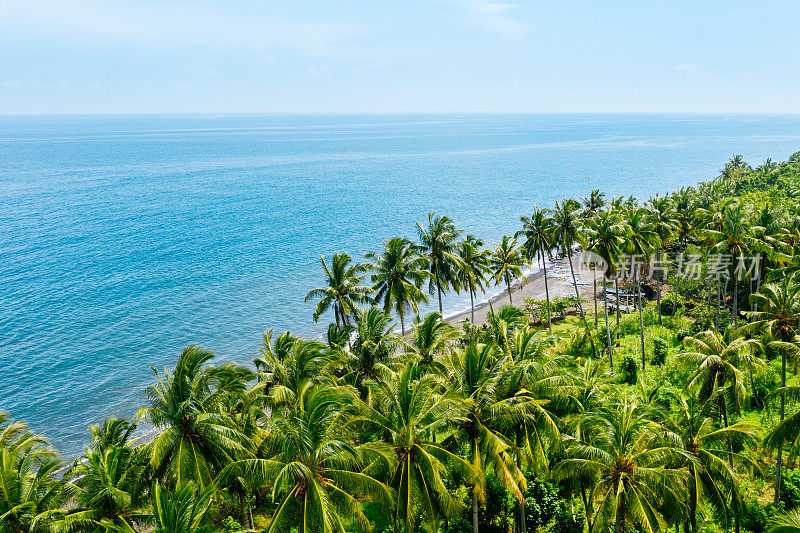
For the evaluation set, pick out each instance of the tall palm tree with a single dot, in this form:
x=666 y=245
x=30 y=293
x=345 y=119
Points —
x=735 y=238
x=633 y=459
x=593 y=204
x=32 y=498
x=374 y=345
x=685 y=212
x=473 y=268
x=640 y=238
x=195 y=439
x=342 y=288
x=111 y=481
x=409 y=408
x=605 y=237
x=439 y=243
x=664 y=221
x=565 y=236
x=506 y=262
x=778 y=313
x=537 y=230
x=430 y=339
x=711 y=478
x=316 y=474
x=494 y=408
x=398 y=274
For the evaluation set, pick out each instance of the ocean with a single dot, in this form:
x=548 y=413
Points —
x=125 y=238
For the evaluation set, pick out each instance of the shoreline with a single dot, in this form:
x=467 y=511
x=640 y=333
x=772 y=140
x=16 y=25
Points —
x=559 y=281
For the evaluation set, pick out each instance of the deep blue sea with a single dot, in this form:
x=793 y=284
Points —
x=125 y=238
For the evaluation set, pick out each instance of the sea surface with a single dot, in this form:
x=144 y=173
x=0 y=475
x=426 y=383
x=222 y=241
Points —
x=125 y=238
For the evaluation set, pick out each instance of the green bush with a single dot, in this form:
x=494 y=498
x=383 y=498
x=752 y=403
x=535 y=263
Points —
x=706 y=320
x=790 y=488
x=756 y=516
x=764 y=383
x=629 y=370
x=668 y=305
x=659 y=352
x=545 y=508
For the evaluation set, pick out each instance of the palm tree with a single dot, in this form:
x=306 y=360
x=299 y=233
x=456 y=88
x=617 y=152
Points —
x=343 y=290
x=788 y=522
x=32 y=498
x=593 y=204
x=430 y=338
x=409 y=409
x=604 y=236
x=684 y=202
x=506 y=262
x=439 y=242
x=778 y=314
x=111 y=481
x=641 y=237
x=734 y=238
x=182 y=510
x=472 y=268
x=195 y=439
x=565 y=236
x=398 y=274
x=633 y=459
x=494 y=408
x=711 y=477
x=537 y=231
x=664 y=221
x=374 y=345
x=315 y=472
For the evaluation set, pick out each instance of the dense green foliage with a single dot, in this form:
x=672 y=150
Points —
x=679 y=413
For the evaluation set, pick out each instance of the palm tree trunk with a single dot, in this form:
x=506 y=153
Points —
x=474 y=511
x=508 y=288
x=587 y=507
x=658 y=285
x=608 y=336
x=779 y=462
x=547 y=294
x=594 y=286
x=677 y=288
x=439 y=290
x=735 y=304
x=402 y=324
x=641 y=319
x=616 y=288
x=753 y=387
x=472 y=306
x=620 y=518
x=580 y=305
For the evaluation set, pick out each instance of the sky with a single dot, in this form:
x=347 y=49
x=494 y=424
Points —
x=447 y=56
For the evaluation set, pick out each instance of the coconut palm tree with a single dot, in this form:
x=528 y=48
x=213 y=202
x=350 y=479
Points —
x=409 y=408
x=182 y=510
x=565 y=236
x=195 y=440
x=593 y=204
x=111 y=481
x=788 y=522
x=778 y=314
x=494 y=407
x=538 y=230
x=398 y=274
x=343 y=289
x=604 y=235
x=506 y=262
x=473 y=268
x=439 y=243
x=711 y=478
x=315 y=473
x=664 y=221
x=736 y=239
x=640 y=239
x=375 y=344
x=633 y=459
x=430 y=339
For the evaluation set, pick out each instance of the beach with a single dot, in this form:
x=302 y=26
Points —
x=559 y=283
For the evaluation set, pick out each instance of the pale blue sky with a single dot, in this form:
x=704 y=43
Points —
x=76 y=56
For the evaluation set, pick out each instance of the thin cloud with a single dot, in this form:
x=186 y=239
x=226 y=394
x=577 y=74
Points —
x=495 y=17
x=686 y=67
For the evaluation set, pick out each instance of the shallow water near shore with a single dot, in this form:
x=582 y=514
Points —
x=124 y=238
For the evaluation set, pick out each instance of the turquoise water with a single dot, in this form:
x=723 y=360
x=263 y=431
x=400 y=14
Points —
x=125 y=238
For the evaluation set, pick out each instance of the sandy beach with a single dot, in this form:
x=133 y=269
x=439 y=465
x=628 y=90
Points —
x=559 y=281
